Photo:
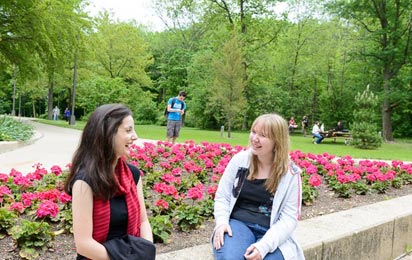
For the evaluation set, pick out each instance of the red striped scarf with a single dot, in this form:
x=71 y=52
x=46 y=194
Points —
x=101 y=208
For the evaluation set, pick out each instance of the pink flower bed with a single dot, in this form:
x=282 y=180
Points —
x=180 y=177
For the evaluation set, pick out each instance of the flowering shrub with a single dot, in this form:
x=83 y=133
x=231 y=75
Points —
x=180 y=182
x=184 y=178
x=29 y=204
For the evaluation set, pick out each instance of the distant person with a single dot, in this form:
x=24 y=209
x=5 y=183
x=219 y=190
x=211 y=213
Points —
x=339 y=127
x=107 y=193
x=175 y=109
x=259 y=198
x=56 y=112
x=316 y=132
x=67 y=114
x=292 y=124
x=305 y=124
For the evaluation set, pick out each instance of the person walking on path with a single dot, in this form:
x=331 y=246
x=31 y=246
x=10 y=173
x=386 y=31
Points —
x=175 y=110
x=67 y=114
x=56 y=113
x=258 y=200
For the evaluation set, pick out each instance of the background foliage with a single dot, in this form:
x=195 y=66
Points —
x=235 y=59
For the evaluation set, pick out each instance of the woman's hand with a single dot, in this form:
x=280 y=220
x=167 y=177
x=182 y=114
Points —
x=252 y=253
x=218 y=239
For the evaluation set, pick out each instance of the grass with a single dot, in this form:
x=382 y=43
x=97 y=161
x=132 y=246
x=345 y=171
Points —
x=399 y=150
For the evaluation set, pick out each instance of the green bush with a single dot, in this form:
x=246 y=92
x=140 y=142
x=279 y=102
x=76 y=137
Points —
x=31 y=235
x=162 y=227
x=12 y=130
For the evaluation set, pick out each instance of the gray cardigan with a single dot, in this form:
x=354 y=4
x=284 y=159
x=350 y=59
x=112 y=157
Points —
x=285 y=209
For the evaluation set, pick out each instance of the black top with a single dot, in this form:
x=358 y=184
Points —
x=254 y=204
x=118 y=208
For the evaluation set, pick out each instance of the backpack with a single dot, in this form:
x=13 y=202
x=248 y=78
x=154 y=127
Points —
x=166 y=113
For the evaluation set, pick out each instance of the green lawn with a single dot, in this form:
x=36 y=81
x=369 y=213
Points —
x=399 y=150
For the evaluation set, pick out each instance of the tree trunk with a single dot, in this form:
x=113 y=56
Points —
x=50 y=101
x=386 y=113
x=13 y=111
x=34 y=108
x=229 y=128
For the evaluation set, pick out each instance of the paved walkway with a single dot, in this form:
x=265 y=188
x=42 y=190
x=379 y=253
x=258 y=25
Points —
x=51 y=145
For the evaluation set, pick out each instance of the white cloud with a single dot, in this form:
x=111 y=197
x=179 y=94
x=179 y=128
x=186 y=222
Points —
x=140 y=10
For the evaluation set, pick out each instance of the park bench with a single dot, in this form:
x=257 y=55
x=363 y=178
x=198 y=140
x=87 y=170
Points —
x=345 y=135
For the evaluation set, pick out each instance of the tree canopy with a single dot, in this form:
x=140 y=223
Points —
x=235 y=60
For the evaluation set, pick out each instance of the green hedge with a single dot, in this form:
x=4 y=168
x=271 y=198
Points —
x=13 y=130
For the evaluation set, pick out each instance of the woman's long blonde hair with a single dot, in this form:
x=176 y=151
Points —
x=275 y=128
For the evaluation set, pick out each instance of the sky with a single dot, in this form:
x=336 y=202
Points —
x=124 y=10
x=140 y=10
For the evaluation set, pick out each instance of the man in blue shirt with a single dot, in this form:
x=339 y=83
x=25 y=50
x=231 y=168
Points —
x=175 y=109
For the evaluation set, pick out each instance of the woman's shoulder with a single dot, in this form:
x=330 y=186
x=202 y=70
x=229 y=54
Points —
x=80 y=175
x=135 y=172
x=242 y=154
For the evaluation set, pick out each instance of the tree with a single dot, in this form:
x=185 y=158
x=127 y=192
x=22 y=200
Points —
x=389 y=34
x=364 y=130
x=119 y=50
x=229 y=81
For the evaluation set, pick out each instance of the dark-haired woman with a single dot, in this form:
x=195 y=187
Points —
x=107 y=194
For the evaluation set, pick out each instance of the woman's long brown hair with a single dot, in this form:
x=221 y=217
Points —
x=95 y=154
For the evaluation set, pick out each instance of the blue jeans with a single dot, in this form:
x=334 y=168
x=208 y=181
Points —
x=243 y=235
x=319 y=137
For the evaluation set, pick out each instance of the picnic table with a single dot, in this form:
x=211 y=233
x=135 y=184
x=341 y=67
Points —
x=346 y=135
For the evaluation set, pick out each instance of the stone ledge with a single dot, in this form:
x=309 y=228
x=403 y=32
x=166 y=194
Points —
x=379 y=231
x=6 y=146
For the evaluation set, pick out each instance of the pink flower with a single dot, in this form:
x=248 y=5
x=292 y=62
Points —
x=27 y=198
x=196 y=193
x=311 y=169
x=343 y=178
x=165 y=165
x=168 y=178
x=162 y=204
x=47 y=208
x=3 y=177
x=23 y=181
x=211 y=190
x=56 y=170
x=17 y=206
x=4 y=190
x=177 y=171
x=148 y=165
x=64 y=197
x=371 y=177
x=52 y=195
x=315 y=180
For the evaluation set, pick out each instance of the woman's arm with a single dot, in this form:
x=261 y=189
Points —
x=145 y=228
x=82 y=210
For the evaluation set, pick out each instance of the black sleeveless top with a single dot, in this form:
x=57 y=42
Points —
x=254 y=204
x=118 y=208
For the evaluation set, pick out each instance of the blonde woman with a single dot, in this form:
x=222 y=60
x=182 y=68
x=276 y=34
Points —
x=258 y=201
